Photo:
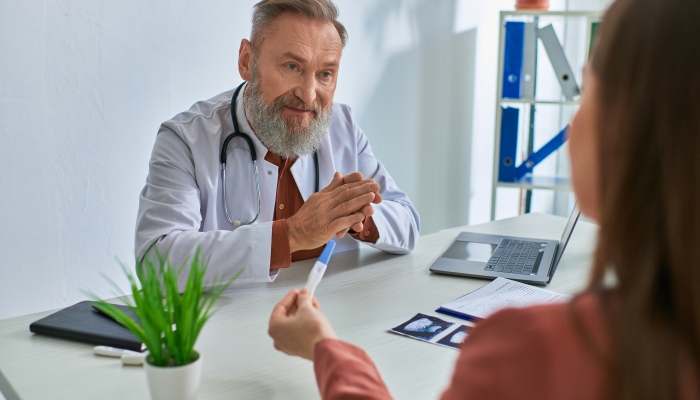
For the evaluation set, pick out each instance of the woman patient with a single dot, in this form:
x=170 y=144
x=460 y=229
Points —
x=635 y=166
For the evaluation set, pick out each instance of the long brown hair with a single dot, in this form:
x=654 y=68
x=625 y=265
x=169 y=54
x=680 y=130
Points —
x=647 y=64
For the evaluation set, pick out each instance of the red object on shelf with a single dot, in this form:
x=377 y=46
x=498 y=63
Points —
x=532 y=5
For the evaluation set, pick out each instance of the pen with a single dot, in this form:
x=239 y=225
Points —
x=319 y=268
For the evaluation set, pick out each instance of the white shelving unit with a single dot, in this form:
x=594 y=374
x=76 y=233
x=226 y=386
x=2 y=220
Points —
x=542 y=18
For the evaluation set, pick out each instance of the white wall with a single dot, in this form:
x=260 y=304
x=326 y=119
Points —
x=84 y=87
x=85 y=84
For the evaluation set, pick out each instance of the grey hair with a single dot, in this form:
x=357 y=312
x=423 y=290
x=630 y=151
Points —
x=267 y=10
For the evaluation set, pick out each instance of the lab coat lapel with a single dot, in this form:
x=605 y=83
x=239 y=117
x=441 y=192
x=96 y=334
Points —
x=268 y=188
x=304 y=170
x=326 y=163
x=304 y=174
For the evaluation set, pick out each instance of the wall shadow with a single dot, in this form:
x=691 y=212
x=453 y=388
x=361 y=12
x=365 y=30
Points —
x=419 y=117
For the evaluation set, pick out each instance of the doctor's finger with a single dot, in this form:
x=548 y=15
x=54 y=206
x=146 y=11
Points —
x=358 y=227
x=335 y=183
x=345 y=222
x=342 y=233
x=342 y=196
x=349 y=186
x=378 y=198
x=352 y=206
x=368 y=210
x=353 y=177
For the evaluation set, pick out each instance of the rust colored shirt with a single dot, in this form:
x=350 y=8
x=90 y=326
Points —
x=288 y=203
x=531 y=353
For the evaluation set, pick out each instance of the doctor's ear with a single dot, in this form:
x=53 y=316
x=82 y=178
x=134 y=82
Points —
x=245 y=59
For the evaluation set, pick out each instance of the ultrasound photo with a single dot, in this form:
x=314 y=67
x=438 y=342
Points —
x=455 y=338
x=422 y=327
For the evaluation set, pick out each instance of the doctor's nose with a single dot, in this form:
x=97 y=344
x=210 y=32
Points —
x=306 y=91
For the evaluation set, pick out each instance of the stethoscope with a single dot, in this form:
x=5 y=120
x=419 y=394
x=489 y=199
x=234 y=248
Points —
x=253 y=156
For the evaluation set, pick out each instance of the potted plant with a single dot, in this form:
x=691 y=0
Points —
x=169 y=322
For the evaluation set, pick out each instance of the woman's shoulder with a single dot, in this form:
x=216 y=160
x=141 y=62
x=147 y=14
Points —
x=584 y=311
x=535 y=352
x=557 y=331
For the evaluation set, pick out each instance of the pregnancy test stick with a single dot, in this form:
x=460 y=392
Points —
x=320 y=267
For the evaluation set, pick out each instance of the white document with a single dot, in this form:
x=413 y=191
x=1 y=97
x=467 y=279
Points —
x=499 y=294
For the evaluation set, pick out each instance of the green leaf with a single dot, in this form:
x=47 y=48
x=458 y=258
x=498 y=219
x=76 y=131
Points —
x=170 y=321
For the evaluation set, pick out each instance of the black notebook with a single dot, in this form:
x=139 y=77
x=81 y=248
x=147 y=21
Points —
x=82 y=323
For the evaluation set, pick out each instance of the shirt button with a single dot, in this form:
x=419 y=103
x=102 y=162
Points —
x=269 y=172
x=281 y=206
x=366 y=233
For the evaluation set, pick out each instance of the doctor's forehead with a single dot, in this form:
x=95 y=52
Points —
x=303 y=37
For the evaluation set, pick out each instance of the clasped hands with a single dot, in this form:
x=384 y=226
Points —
x=342 y=205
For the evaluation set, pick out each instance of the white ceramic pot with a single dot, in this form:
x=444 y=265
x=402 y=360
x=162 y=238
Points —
x=174 y=383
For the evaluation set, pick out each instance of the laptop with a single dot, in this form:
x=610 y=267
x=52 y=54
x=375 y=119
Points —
x=490 y=256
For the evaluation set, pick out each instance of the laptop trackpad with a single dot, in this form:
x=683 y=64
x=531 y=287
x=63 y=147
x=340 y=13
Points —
x=470 y=251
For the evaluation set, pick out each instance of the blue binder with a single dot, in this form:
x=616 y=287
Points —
x=513 y=60
x=509 y=144
x=537 y=157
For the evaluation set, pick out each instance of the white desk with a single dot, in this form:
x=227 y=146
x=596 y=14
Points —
x=364 y=293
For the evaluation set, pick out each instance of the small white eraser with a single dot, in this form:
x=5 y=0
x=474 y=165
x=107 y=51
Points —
x=133 y=358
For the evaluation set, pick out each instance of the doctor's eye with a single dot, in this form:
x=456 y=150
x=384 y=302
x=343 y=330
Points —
x=326 y=74
x=292 y=67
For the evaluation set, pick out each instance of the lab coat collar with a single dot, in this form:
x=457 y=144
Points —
x=303 y=170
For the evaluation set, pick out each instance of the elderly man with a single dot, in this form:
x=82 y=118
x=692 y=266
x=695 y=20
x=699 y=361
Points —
x=265 y=174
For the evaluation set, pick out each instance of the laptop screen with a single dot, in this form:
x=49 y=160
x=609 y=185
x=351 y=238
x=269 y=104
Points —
x=565 y=237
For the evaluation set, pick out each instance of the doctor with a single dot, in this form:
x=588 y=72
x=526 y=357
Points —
x=314 y=176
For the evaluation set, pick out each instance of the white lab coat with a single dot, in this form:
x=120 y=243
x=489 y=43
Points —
x=181 y=205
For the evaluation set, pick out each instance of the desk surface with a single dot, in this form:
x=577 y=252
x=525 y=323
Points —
x=363 y=293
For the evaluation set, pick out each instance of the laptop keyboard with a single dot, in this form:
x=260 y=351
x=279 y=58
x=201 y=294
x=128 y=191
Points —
x=516 y=257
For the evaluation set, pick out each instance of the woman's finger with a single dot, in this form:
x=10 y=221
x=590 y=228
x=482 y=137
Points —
x=304 y=298
x=282 y=308
x=292 y=310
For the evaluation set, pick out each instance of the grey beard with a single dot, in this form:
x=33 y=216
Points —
x=269 y=126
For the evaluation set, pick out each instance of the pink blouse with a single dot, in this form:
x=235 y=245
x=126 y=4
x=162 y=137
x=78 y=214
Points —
x=531 y=353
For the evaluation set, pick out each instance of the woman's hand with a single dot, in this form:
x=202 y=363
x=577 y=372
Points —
x=297 y=324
